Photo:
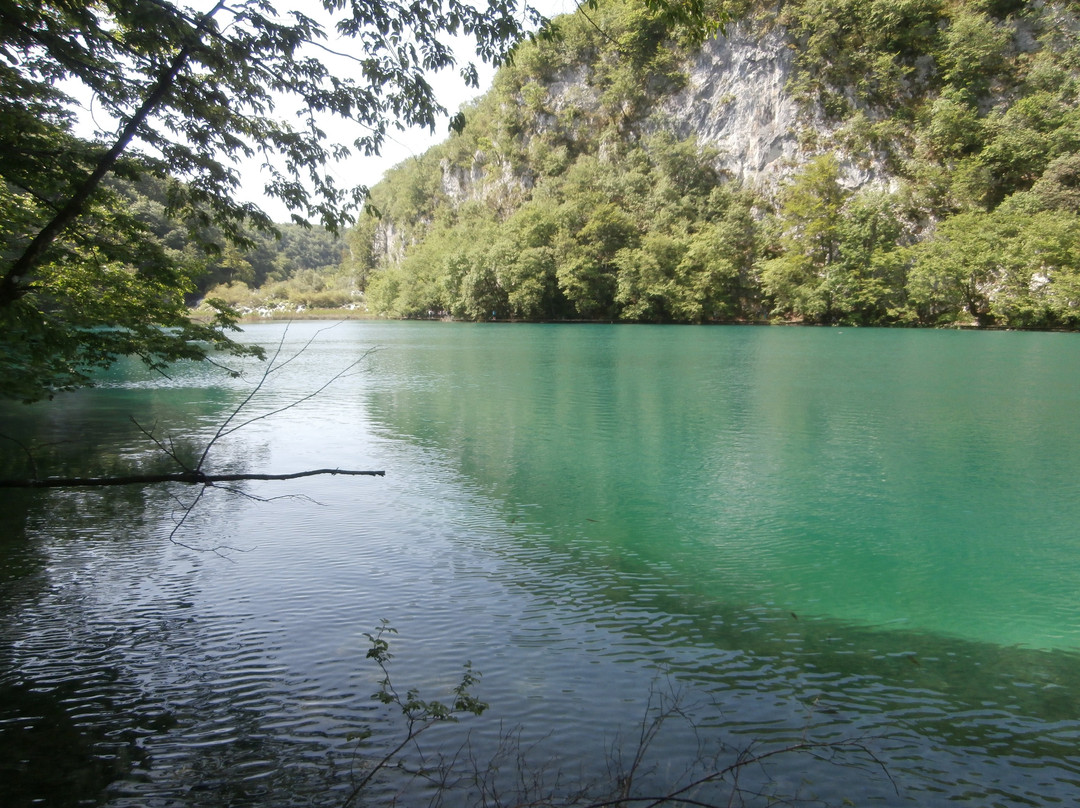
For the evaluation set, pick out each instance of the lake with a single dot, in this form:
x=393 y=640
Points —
x=799 y=535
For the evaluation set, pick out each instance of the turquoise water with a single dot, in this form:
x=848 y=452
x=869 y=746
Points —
x=823 y=533
x=912 y=479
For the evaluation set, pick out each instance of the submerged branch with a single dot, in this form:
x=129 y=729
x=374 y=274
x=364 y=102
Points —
x=190 y=477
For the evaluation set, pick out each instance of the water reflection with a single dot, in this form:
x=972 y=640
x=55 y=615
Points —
x=579 y=512
x=114 y=677
x=826 y=470
x=750 y=505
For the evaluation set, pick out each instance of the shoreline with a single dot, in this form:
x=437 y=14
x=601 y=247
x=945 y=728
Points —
x=343 y=314
x=322 y=315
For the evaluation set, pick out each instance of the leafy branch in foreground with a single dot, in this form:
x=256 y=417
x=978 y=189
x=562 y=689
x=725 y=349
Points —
x=184 y=95
x=720 y=778
x=419 y=715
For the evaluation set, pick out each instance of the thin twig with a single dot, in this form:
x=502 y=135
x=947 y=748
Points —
x=169 y=451
x=26 y=451
x=189 y=477
x=246 y=401
x=344 y=372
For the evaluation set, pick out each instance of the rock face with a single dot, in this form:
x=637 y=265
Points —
x=737 y=100
x=458 y=183
x=388 y=242
x=479 y=182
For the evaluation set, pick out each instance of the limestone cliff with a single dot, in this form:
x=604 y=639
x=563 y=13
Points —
x=737 y=100
x=736 y=97
x=870 y=162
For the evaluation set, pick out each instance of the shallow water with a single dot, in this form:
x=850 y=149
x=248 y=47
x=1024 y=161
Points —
x=820 y=533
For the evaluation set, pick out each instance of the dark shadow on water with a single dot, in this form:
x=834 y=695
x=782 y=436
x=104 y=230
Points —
x=47 y=758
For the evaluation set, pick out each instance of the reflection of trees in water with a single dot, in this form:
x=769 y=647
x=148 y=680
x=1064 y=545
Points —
x=74 y=648
x=636 y=530
x=19 y=559
x=116 y=679
x=49 y=757
x=103 y=433
x=111 y=674
x=845 y=669
x=96 y=432
x=71 y=716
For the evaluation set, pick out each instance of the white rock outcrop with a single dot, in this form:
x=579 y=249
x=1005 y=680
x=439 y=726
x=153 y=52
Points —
x=737 y=100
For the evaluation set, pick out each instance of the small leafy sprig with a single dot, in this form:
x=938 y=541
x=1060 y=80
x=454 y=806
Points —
x=420 y=714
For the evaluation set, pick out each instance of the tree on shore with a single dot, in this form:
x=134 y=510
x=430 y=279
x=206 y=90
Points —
x=185 y=94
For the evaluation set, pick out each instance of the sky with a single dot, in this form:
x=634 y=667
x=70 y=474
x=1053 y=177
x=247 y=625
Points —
x=452 y=93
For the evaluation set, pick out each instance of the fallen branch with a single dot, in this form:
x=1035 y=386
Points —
x=190 y=477
x=191 y=473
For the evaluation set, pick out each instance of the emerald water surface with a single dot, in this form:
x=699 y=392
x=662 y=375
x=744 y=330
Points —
x=914 y=479
x=817 y=533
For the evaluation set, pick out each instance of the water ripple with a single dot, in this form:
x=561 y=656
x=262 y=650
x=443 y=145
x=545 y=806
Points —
x=172 y=678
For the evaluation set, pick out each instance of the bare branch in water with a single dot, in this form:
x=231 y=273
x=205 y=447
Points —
x=190 y=477
x=194 y=474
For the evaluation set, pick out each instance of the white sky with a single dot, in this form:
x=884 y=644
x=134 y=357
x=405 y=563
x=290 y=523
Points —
x=452 y=93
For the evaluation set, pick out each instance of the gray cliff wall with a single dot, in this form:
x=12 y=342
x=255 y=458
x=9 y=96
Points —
x=737 y=100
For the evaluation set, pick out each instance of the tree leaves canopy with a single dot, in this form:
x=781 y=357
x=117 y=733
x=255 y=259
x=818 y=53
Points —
x=188 y=93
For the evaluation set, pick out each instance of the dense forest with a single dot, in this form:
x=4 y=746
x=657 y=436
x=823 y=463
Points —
x=937 y=178
x=297 y=267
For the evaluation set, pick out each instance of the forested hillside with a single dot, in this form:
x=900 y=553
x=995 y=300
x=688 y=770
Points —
x=827 y=161
x=302 y=266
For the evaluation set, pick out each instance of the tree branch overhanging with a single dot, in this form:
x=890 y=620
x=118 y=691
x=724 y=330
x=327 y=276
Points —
x=192 y=473
x=189 y=477
x=12 y=285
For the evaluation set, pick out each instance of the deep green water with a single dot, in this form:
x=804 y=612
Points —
x=819 y=533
